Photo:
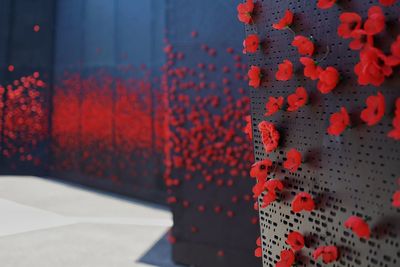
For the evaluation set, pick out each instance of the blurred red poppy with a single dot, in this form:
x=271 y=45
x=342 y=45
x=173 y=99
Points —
x=269 y=136
x=285 y=22
x=372 y=68
x=259 y=170
x=285 y=71
x=311 y=68
x=349 y=22
x=287 y=259
x=273 y=105
x=375 y=22
x=303 y=201
x=251 y=44
x=394 y=59
x=293 y=161
x=304 y=45
x=254 y=76
x=396 y=199
x=325 y=4
x=387 y=2
x=328 y=80
x=339 y=121
x=375 y=109
x=358 y=226
x=329 y=254
x=298 y=99
x=295 y=240
x=245 y=11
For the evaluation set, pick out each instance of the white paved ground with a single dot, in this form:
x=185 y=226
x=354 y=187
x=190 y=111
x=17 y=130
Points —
x=46 y=223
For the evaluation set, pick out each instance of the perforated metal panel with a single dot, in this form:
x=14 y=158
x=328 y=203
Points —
x=353 y=174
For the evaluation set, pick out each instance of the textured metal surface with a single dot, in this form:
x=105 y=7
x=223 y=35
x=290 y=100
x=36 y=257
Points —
x=353 y=174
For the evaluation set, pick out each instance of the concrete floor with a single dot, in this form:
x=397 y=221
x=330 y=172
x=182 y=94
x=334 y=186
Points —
x=51 y=224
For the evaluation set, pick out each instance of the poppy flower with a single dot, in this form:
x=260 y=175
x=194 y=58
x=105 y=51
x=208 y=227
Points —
x=304 y=45
x=293 y=160
x=247 y=129
x=295 y=240
x=394 y=58
x=269 y=136
x=311 y=68
x=360 y=39
x=395 y=133
x=303 y=201
x=375 y=22
x=258 y=252
x=372 y=68
x=285 y=71
x=251 y=44
x=258 y=188
x=329 y=254
x=358 y=226
x=273 y=105
x=245 y=11
x=298 y=99
x=254 y=76
x=387 y=2
x=396 y=199
x=349 y=22
x=270 y=196
x=325 y=4
x=287 y=259
x=259 y=170
x=339 y=121
x=285 y=22
x=375 y=109
x=328 y=79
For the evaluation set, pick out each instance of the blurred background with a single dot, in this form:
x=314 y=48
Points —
x=123 y=134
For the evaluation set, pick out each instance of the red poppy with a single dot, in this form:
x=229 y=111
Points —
x=287 y=259
x=329 y=254
x=395 y=133
x=349 y=21
x=271 y=186
x=251 y=44
x=372 y=68
x=387 y=2
x=396 y=199
x=304 y=45
x=258 y=188
x=293 y=160
x=258 y=252
x=394 y=58
x=375 y=22
x=268 y=198
x=325 y=4
x=285 y=71
x=303 y=201
x=328 y=79
x=245 y=11
x=269 y=136
x=247 y=129
x=285 y=22
x=311 y=68
x=254 y=76
x=273 y=105
x=295 y=240
x=339 y=121
x=298 y=99
x=259 y=170
x=375 y=109
x=360 y=39
x=358 y=226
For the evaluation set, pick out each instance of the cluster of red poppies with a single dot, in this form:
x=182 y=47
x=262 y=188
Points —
x=25 y=122
x=373 y=67
x=104 y=116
